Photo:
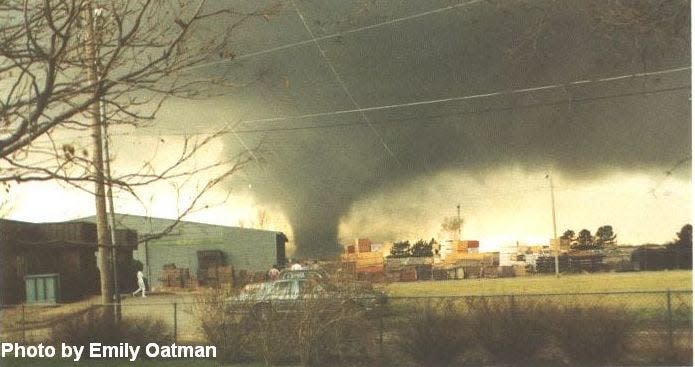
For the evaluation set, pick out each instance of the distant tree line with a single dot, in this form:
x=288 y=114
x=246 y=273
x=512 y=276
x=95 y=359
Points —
x=421 y=248
x=677 y=254
x=584 y=240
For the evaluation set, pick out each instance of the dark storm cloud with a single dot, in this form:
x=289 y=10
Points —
x=315 y=174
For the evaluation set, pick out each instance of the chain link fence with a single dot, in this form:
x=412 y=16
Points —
x=632 y=328
x=657 y=326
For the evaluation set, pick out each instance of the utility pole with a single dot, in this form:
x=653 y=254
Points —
x=103 y=243
x=112 y=215
x=555 y=241
x=109 y=191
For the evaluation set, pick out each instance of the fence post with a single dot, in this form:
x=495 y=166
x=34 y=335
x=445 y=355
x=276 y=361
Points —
x=24 y=326
x=669 y=319
x=175 y=323
x=381 y=333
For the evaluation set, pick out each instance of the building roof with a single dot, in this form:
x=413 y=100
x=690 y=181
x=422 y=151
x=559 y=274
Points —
x=149 y=227
x=57 y=234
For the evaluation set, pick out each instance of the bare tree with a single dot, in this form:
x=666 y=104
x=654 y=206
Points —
x=452 y=225
x=75 y=66
x=6 y=207
x=146 y=52
x=262 y=219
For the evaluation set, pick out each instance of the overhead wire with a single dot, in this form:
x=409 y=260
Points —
x=337 y=34
x=362 y=110
x=470 y=97
x=365 y=118
x=427 y=120
x=462 y=98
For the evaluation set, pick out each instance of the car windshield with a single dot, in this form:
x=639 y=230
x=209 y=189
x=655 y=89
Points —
x=302 y=274
x=282 y=290
x=309 y=287
x=252 y=291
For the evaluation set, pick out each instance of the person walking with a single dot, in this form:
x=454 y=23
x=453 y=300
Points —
x=273 y=273
x=141 y=284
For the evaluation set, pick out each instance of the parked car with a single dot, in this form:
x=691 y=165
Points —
x=294 y=294
x=251 y=292
x=303 y=274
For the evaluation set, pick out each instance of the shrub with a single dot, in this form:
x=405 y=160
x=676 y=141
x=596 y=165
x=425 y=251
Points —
x=330 y=332
x=313 y=331
x=510 y=331
x=591 y=336
x=433 y=334
x=221 y=326
x=97 y=325
x=659 y=353
x=271 y=336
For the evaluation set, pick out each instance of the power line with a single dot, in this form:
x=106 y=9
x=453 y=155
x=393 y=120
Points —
x=427 y=120
x=336 y=35
x=438 y=101
x=342 y=84
x=668 y=174
x=480 y=111
x=470 y=97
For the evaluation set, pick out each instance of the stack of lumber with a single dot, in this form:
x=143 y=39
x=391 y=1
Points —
x=519 y=270
x=491 y=271
x=363 y=245
x=225 y=275
x=506 y=271
x=473 y=271
x=424 y=272
x=375 y=277
x=473 y=259
x=408 y=274
x=173 y=277
x=365 y=262
x=218 y=276
x=439 y=274
x=392 y=263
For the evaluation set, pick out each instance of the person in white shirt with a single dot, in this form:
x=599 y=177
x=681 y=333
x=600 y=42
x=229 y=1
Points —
x=141 y=284
x=273 y=273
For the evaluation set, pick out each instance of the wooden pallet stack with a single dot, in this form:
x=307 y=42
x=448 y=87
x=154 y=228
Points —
x=208 y=263
x=173 y=277
x=519 y=270
x=408 y=274
x=359 y=258
x=424 y=272
x=218 y=276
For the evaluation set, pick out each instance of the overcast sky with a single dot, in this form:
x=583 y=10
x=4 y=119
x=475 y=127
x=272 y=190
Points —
x=454 y=115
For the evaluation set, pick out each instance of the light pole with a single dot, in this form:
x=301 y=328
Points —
x=458 y=219
x=103 y=170
x=98 y=13
x=555 y=242
x=103 y=241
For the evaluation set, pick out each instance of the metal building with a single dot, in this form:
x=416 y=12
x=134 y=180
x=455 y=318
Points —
x=166 y=241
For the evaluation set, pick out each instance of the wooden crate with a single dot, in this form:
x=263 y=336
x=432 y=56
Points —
x=408 y=274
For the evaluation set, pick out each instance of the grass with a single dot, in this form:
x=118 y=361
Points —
x=650 y=309
x=567 y=283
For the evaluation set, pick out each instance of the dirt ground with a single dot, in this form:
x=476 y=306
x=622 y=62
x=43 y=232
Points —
x=33 y=323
